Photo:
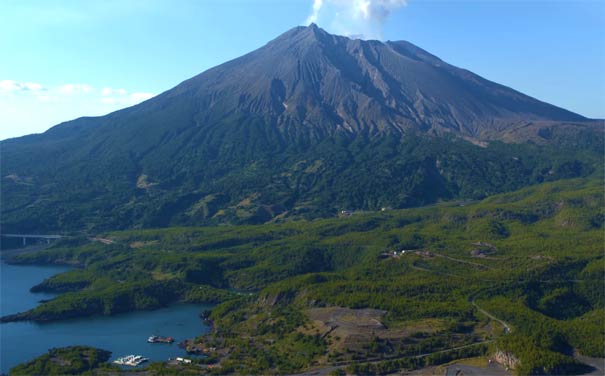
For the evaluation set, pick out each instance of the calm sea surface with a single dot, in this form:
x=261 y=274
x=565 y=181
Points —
x=122 y=334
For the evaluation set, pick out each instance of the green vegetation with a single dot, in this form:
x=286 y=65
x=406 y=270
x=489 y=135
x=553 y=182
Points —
x=117 y=278
x=411 y=363
x=266 y=178
x=74 y=360
x=530 y=258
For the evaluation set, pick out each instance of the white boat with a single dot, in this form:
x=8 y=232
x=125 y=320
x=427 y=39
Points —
x=130 y=360
x=124 y=360
x=139 y=359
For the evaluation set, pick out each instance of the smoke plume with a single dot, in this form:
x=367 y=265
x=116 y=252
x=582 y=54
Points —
x=355 y=18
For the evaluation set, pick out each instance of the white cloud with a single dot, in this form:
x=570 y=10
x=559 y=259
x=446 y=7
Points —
x=140 y=97
x=360 y=18
x=8 y=86
x=121 y=97
x=75 y=89
x=33 y=86
x=29 y=107
x=107 y=91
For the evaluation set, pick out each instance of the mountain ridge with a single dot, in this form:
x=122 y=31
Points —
x=259 y=98
x=356 y=80
x=306 y=125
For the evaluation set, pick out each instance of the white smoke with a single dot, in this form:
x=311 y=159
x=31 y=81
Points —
x=356 y=18
x=315 y=12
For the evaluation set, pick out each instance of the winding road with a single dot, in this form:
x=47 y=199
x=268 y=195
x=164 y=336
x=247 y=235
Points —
x=507 y=327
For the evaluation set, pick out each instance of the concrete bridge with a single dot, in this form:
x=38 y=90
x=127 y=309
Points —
x=30 y=236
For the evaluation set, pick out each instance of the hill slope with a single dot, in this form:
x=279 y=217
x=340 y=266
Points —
x=308 y=124
x=320 y=291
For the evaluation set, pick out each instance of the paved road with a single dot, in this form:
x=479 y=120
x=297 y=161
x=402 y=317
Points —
x=493 y=369
x=339 y=365
x=102 y=240
x=482 y=266
x=507 y=327
x=597 y=363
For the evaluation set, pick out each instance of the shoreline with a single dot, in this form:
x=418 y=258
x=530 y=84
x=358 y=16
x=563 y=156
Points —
x=47 y=311
x=7 y=254
x=45 y=317
x=9 y=318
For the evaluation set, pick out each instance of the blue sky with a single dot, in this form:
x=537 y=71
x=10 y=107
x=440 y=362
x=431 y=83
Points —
x=62 y=59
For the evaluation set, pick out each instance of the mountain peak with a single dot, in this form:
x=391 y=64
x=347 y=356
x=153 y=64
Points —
x=309 y=81
x=318 y=31
x=309 y=123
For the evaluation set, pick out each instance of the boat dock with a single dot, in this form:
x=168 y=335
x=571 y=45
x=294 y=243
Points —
x=130 y=360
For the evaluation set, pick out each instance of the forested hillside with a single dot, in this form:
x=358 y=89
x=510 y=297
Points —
x=515 y=273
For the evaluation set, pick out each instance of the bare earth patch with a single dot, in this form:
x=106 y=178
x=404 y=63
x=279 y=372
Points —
x=349 y=331
x=141 y=244
x=144 y=183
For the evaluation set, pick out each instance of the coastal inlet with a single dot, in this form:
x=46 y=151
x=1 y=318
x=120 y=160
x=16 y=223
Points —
x=121 y=334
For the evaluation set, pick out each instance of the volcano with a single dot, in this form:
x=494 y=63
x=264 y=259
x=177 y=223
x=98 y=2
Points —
x=306 y=126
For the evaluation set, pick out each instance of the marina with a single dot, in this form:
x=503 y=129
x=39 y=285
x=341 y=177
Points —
x=131 y=360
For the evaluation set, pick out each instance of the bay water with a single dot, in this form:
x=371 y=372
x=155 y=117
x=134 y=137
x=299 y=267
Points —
x=122 y=334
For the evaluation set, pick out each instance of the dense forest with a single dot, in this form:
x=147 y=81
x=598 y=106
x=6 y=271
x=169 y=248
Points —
x=248 y=177
x=372 y=292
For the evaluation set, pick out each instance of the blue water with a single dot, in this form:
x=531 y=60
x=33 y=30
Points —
x=122 y=334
